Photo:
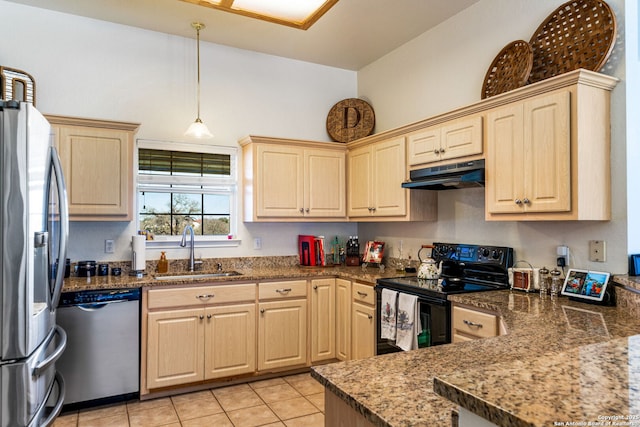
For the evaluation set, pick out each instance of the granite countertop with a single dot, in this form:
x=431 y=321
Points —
x=398 y=389
x=367 y=275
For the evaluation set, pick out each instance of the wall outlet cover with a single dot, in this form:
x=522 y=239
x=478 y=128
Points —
x=597 y=251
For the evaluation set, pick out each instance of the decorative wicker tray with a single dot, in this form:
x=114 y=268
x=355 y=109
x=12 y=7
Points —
x=578 y=34
x=509 y=70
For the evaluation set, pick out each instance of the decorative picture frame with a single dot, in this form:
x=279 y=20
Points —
x=585 y=284
x=373 y=252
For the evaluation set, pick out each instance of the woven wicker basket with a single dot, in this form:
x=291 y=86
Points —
x=578 y=34
x=509 y=70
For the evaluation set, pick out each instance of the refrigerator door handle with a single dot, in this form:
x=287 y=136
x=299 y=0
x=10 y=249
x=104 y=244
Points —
x=56 y=409
x=42 y=366
x=64 y=227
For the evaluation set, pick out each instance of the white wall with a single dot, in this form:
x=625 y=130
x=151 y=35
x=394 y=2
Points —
x=632 y=13
x=89 y=68
x=444 y=68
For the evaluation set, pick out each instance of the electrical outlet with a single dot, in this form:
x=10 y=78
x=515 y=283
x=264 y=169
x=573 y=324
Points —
x=597 y=251
x=109 y=246
x=562 y=253
x=257 y=243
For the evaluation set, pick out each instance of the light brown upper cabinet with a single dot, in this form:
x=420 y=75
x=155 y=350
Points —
x=376 y=172
x=287 y=180
x=97 y=160
x=451 y=140
x=548 y=154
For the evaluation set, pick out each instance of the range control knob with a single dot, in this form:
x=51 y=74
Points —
x=495 y=254
x=484 y=252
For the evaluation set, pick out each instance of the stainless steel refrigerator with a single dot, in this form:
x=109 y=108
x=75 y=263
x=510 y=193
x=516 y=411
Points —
x=33 y=244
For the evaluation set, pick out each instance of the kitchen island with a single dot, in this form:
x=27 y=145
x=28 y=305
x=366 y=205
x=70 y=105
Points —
x=398 y=389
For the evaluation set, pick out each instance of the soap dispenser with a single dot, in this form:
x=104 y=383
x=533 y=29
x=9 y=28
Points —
x=163 y=264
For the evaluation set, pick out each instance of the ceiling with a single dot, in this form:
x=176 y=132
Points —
x=352 y=34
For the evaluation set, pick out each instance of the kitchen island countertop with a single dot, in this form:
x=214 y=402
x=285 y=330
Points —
x=398 y=389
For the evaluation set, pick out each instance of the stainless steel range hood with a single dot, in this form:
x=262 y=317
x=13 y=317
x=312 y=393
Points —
x=448 y=177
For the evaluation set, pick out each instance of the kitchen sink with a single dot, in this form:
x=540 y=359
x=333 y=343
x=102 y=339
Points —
x=193 y=276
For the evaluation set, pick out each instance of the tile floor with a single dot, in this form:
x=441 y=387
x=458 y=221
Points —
x=292 y=401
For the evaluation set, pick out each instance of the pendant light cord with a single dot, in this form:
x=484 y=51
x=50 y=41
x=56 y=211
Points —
x=198 y=26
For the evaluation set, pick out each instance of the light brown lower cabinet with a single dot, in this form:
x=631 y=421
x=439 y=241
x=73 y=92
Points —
x=363 y=321
x=343 y=319
x=282 y=334
x=322 y=302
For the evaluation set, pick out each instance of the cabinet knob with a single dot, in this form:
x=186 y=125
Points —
x=208 y=316
x=315 y=287
x=301 y=210
x=373 y=209
x=307 y=210
x=526 y=201
x=441 y=150
x=201 y=316
x=262 y=311
x=369 y=316
x=518 y=201
x=436 y=151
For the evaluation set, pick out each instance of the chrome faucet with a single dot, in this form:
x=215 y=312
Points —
x=183 y=243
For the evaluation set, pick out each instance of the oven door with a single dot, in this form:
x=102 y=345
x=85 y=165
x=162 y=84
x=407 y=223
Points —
x=435 y=318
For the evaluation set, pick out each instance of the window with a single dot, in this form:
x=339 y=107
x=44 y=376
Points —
x=183 y=184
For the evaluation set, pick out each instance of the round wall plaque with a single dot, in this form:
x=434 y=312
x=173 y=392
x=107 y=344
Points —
x=350 y=119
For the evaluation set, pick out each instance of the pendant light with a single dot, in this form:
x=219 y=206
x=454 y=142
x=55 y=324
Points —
x=197 y=128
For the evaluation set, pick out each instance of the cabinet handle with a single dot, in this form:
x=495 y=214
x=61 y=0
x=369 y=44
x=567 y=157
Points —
x=518 y=201
x=526 y=201
x=283 y=290
x=369 y=316
x=373 y=209
x=301 y=210
x=436 y=151
x=205 y=296
x=441 y=150
x=262 y=311
x=470 y=323
x=315 y=287
x=362 y=294
x=201 y=316
x=307 y=210
x=209 y=316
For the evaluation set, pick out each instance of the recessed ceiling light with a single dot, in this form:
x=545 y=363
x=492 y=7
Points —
x=293 y=13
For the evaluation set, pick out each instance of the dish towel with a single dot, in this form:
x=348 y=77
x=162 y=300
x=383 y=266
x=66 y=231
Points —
x=389 y=304
x=408 y=322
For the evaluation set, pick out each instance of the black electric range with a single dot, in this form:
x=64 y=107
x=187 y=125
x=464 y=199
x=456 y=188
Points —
x=465 y=268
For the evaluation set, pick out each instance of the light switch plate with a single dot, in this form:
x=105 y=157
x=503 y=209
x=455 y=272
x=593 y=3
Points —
x=597 y=251
x=257 y=243
x=108 y=246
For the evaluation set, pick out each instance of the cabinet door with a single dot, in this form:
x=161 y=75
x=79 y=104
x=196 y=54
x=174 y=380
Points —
x=98 y=169
x=424 y=146
x=323 y=319
x=387 y=176
x=461 y=138
x=279 y=184
x=359 y=182
x=282 y=334
x=547 y=158
x=175 y=347
x=505 y=159
x=325 y=189
x=363 y=331
x=230 y=340
x=343 y=319
x=468 y=324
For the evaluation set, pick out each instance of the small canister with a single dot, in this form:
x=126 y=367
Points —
x=556 y=282
x=544 y=281
x=103 y=269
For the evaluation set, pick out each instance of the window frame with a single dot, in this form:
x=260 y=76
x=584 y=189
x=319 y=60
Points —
x=228 y=185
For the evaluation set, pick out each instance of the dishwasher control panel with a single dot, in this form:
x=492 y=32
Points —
x=98 y=296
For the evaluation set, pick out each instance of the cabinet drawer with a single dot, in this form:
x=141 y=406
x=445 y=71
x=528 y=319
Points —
x=201 y=295
x=364 y=293
x=279 y=290
x=475 y=323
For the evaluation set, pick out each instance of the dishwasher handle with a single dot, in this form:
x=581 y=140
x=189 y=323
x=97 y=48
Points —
x=97 y=306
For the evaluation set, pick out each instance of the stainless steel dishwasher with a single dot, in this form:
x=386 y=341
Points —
x=102 y=359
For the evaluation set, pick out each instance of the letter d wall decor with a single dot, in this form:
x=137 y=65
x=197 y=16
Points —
x=350 y=119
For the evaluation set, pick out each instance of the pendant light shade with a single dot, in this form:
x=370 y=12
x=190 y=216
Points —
x=198 y=129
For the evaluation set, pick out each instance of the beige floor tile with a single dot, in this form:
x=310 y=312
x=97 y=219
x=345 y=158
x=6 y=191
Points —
x=237 y=397
x=217 y=420
x=187 y=397
x=307 y=386
x=153 y=417
x=277 y=392
x=120 y=420
x=102 y=412
x=292 y=408
x=250 y=417
x=266 y=383
x=278 y=424
x=317 y=400
x=313 y=420
x=189 y=409
x=66 y=420
x=133 y=407
x=297 y=377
